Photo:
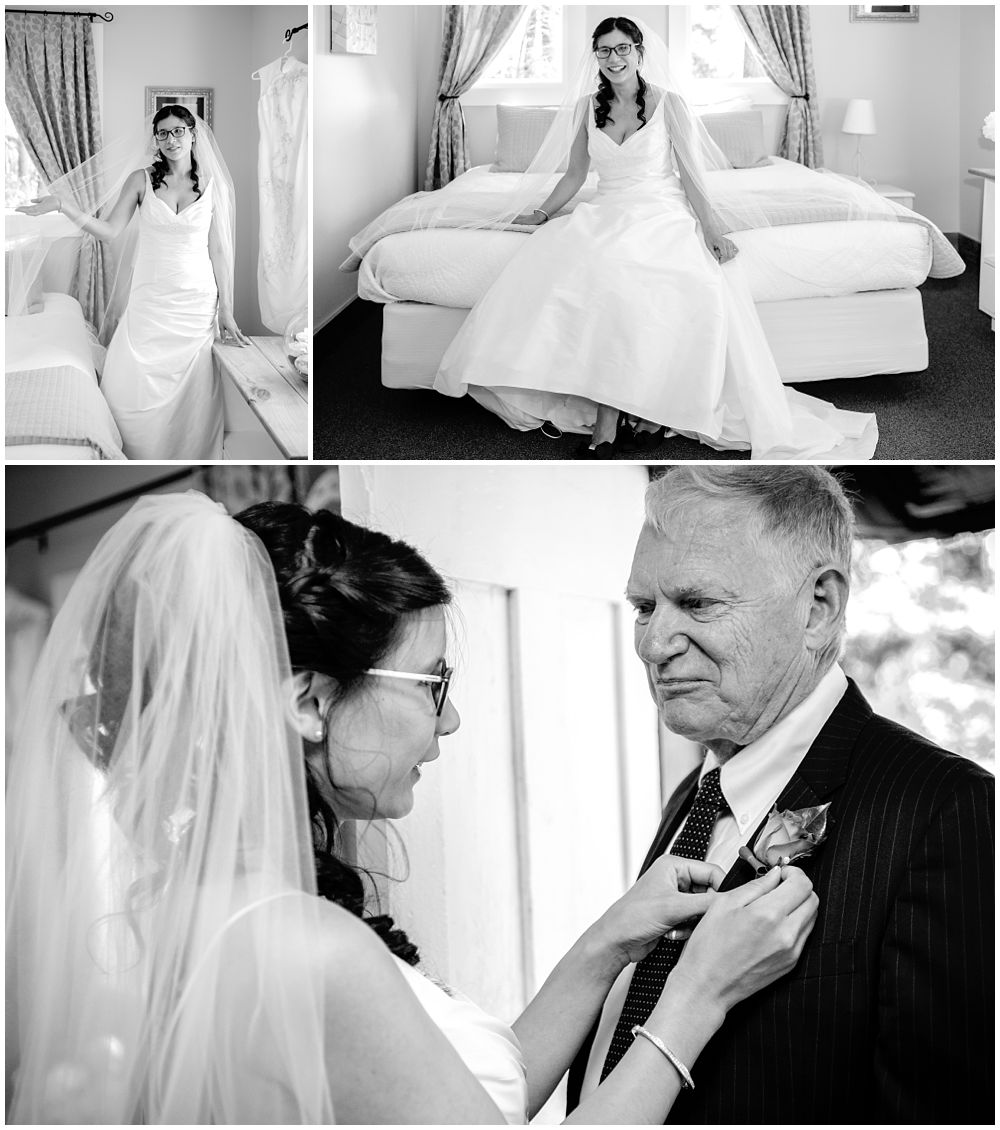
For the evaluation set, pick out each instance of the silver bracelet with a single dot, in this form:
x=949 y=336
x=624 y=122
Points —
x=686 y=1081
x=544 y=213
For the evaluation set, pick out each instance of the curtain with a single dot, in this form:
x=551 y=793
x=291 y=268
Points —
x=53 y=101
x=473 y=34
x=780 y=37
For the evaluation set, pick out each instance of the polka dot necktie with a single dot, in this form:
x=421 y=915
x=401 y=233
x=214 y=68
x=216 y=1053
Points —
x=650 y=974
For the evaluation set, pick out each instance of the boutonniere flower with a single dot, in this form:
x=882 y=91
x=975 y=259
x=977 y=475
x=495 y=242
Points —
x=786 y=836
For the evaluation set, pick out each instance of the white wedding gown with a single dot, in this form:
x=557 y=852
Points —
x=158 y=376
x=486 y=1045
x=621 y=303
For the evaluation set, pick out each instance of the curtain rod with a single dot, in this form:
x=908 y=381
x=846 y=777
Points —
x=42 y=528
x=290 y=31
x=107 y=17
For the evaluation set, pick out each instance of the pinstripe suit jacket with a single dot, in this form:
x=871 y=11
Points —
x=888 y=1015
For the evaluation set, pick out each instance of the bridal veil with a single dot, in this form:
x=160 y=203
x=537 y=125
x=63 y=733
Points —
x=161 y=908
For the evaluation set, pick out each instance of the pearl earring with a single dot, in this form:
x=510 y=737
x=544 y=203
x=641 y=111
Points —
x=319 y=735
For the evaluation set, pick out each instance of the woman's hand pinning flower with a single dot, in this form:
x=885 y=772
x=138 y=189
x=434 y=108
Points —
x=787 y=836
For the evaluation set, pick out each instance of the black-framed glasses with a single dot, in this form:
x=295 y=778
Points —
x=163 y=134
x=619 y=49
x=440 y=682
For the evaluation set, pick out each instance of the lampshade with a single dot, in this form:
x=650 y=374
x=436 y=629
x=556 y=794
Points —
x=859 y=117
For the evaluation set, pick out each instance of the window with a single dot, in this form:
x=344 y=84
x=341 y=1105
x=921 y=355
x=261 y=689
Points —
x=22 y=180
x=535 y=50
x=536 y=60
x=718 y=47
x=708 y=48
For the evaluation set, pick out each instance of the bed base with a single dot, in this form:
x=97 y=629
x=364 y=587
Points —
x=813 y=339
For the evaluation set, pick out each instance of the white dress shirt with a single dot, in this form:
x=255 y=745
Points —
x=751 y=781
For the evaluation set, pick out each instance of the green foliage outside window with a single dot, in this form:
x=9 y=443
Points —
x=920 y=640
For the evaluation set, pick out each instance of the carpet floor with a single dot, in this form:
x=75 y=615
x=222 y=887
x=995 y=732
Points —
x=943 y=413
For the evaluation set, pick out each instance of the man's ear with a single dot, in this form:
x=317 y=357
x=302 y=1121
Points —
x=309 y=698
x=827 y=608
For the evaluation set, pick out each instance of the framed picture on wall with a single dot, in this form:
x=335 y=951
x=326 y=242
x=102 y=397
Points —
x=353 y=29
x=880 y=13
x=197 y=99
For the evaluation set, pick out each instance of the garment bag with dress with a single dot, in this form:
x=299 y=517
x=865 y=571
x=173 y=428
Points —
x=283 y=178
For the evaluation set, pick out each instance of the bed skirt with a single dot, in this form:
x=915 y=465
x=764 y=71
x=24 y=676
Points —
x=813 y=339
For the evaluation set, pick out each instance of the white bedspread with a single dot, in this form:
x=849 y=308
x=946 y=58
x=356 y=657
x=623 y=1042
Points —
x=51 y=396
x=454 y=267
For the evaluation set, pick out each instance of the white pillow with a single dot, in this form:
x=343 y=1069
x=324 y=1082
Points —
x=740 y=136
x=520 y=132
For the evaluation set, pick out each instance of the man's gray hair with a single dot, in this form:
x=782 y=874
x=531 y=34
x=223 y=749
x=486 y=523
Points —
x=800 y=513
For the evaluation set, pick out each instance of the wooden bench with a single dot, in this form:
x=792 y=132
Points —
x=266 y=401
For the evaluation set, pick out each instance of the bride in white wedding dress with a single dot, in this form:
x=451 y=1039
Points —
x=635 y=306
x=218 y=697
x=158 y=377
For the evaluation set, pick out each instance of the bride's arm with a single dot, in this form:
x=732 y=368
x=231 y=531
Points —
x=556 y=1021
x=747 y=938
x=569 y=183
x=108 y=228
x=712 y=227
x=222 y=269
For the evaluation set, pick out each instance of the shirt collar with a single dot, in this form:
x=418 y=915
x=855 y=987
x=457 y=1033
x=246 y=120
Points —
x=753 y=779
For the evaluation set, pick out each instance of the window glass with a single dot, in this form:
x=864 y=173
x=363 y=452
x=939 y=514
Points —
x=717 y=46
x=22 y=181
x=534 y=52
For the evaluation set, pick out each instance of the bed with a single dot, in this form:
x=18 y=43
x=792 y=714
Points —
x=836 y=298
x=53 y=407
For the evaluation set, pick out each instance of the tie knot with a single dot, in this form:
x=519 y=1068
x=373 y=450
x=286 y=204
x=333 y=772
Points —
x=710 y=797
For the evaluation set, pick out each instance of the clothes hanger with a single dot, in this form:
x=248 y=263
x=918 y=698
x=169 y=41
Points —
x=289 y=35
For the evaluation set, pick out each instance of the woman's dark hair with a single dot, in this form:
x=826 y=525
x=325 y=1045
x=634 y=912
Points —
x=160 y=167
x=345 y=592
x=602 y=111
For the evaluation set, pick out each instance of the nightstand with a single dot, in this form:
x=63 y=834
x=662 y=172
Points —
x=892 y=192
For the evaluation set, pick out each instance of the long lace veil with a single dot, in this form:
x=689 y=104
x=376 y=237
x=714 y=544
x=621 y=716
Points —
x=94 y=187
x=161 y=912
x=738 y=207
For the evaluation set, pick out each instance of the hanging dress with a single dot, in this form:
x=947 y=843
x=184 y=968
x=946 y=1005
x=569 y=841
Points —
x=283 y=264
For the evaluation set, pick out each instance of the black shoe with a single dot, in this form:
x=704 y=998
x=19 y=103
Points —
x=646 y=440
x=601 y=451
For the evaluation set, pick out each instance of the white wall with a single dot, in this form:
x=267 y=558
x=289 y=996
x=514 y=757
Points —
x=911 y=72
x=977 y=98
x=364 y=143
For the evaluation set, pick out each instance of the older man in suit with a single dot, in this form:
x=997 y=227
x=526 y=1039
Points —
x=740 y=582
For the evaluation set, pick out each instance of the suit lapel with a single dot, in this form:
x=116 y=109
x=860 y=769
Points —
x=821 y=773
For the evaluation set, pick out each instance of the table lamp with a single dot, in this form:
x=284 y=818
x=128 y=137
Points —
x=859 y=119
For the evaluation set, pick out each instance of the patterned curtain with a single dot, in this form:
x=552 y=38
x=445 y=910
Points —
x=781 y=39
x=52 y=100
x=473 y=34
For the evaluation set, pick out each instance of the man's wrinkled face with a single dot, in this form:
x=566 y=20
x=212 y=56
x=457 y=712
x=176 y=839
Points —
x=718 y=626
